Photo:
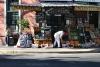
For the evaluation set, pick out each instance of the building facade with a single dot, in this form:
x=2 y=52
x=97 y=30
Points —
x=8 y=15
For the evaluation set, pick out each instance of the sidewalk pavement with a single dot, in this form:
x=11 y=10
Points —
x=15 y=50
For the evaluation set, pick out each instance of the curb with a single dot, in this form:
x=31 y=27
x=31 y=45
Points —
x=32 y=52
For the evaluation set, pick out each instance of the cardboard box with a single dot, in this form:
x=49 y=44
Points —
x=86 y=24
x=91 y=25
x=80 y=24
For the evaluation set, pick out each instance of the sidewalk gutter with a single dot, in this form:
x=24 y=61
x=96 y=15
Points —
x=46 y=50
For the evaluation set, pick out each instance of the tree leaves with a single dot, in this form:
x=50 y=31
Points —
x=23 y=23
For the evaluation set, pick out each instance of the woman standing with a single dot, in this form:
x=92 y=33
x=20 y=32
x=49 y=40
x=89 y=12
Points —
x=7 y=34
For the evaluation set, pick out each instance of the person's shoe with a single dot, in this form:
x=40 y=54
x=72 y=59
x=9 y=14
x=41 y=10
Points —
x=59 y=47
x=6 y=45
x=15 y=46
x=54 y=47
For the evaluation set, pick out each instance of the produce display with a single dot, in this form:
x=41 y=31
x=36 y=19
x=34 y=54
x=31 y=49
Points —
x=74 y=33
x=98 y=32
x=81 y=35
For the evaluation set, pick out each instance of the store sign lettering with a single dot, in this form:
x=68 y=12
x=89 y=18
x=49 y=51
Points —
x=56 y=0
x=89 y=0
x=63 y=11
x=34 y=8
x=86 y=8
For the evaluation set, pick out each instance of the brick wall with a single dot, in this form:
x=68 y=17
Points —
x=2 y=40
x=30 y=15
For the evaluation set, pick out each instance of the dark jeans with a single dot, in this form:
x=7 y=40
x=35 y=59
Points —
x=7 y=39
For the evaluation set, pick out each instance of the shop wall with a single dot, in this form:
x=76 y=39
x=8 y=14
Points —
x=2 y=40
x=30 y=15
x=79 y=14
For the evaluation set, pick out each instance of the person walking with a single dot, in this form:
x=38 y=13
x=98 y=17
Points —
x=58 y=38
x=7 y=34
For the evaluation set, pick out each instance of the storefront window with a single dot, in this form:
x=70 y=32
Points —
x=12 y=15
x=9 y=4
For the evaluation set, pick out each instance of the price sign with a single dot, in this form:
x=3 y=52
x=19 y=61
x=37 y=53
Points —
x=40 y=17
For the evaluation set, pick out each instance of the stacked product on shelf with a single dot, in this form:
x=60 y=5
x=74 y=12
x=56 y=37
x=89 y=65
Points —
x=80 y=28
x=38 y=38
x=74 y=37
x=84 y=35
x=88 y=37
x=81 y=35
x=98 y=32
x=74 y=34
x=47 y=37
x=95 y=35
x=87 y=34
x=97 y=39
x=92 y=31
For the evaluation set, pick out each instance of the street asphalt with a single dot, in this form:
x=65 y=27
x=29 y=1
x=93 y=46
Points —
x=16 y=50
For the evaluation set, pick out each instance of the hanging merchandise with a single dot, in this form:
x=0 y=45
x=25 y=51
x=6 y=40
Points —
x=80 y=20
x=85 y=20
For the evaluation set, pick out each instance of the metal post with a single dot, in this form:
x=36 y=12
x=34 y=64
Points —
x=19 y=18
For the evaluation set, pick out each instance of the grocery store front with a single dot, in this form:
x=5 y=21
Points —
x=53 y=17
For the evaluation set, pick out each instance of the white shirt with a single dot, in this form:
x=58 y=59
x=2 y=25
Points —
x=58 y=34
x=7 y=31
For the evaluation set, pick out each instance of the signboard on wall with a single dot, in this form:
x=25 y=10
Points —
x=40 y=17
x=88 y=0
x=56 y=0
x=57 y=11
x=86 y=8
x=34 y=8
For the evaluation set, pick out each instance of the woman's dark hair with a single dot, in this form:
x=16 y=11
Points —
x=65 y=30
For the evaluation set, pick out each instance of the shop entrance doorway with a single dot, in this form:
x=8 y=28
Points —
x=57 y=22
x=93 y=18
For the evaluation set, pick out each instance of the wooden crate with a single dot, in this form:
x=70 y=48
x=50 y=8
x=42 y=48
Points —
x=72 y=42
x=36 y=41
x=80 y=24
x=91 y=25
x=76 y=43
x=86 y=24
